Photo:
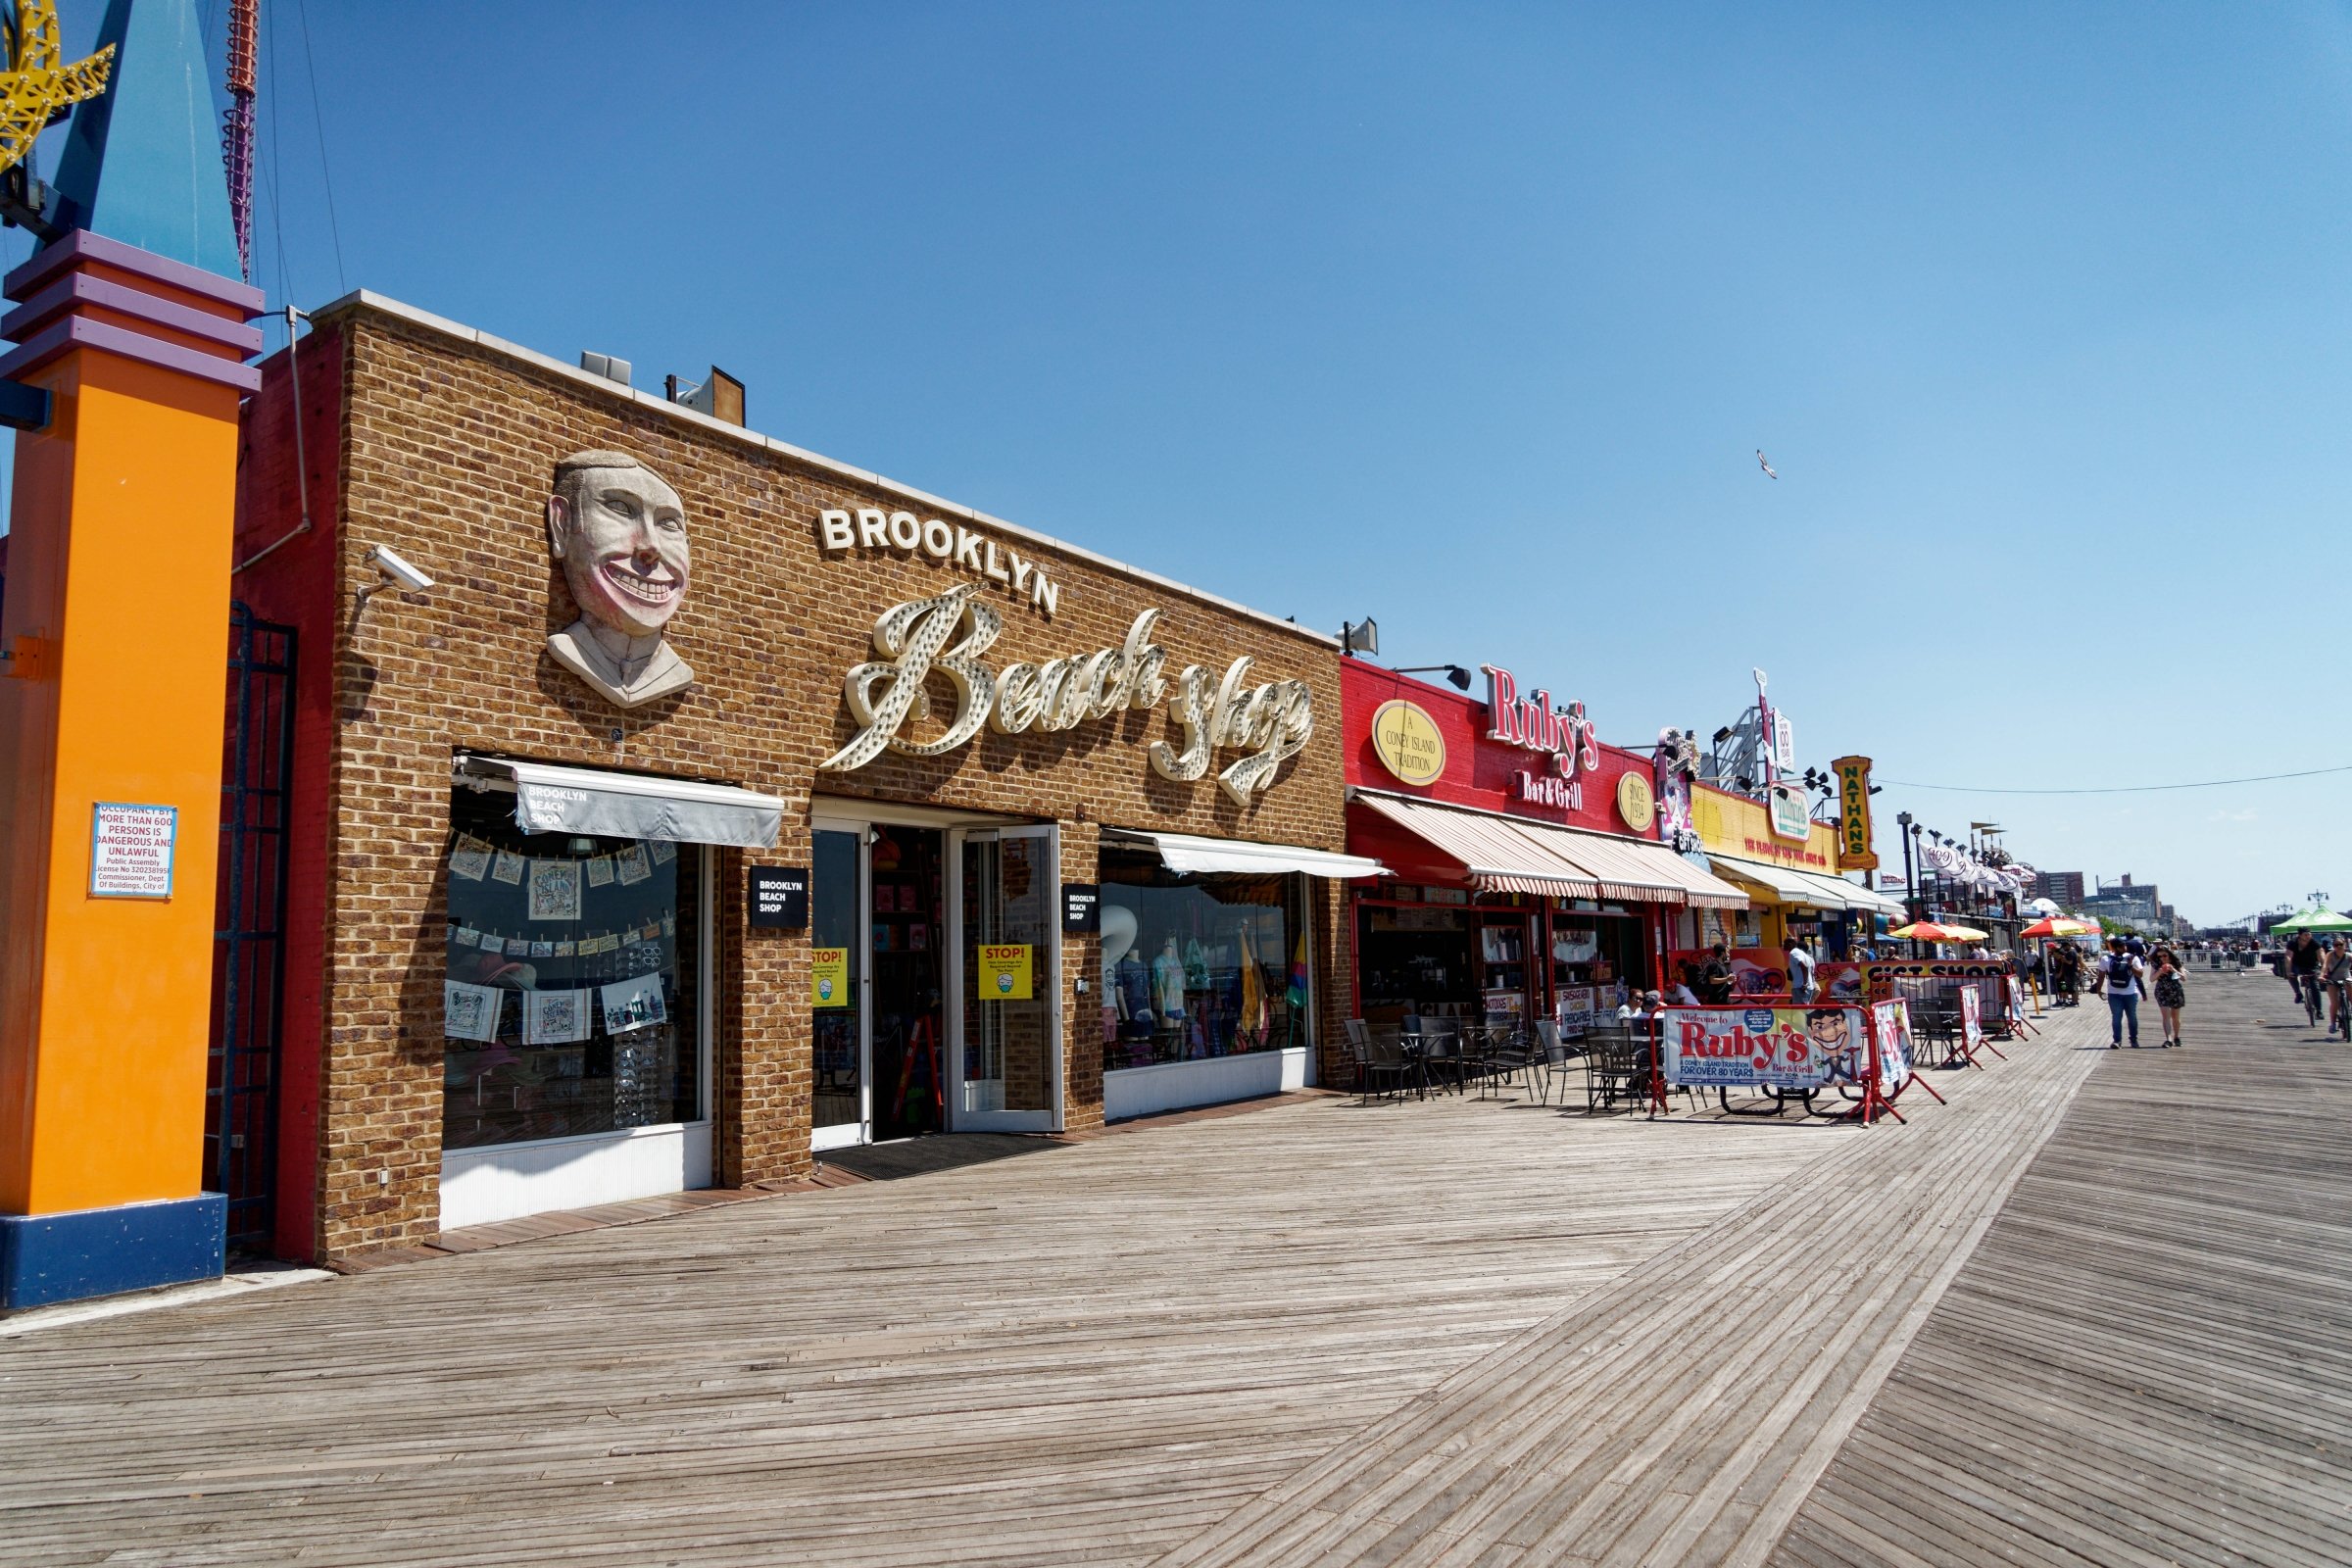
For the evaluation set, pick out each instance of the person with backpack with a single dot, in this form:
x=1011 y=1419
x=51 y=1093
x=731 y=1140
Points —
x=2171 y=993
x=2118 y=983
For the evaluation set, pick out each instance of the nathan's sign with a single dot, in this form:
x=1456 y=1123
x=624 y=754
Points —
x=1563 y=736
x=967 y=548
x=1854 y=852
x=1271 y=721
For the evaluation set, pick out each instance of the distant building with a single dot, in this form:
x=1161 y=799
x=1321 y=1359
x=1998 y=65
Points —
x=2065 y=887
x=2140 y=907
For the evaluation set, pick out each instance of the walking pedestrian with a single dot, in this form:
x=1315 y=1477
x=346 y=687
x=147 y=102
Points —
x=1715 y=978
x=2171 y=993
x=2118 y=983
x=1800 y=971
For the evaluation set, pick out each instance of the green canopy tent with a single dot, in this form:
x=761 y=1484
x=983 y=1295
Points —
x=2314 y=919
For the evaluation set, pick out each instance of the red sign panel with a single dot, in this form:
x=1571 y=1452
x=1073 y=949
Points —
x=1534 y=758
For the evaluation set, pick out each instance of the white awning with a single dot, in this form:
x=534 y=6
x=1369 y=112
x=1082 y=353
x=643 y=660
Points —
x=1869 y=900
x=629 y=806
x=1786 y=884
x=1185 y=852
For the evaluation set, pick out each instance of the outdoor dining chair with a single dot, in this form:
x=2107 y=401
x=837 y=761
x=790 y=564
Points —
x=1549 y=1062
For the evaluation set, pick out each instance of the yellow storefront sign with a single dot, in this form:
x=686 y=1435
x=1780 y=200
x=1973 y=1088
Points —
x=1733 y=824
x=1004 y=971
x=1854 y=852
x=829 y=977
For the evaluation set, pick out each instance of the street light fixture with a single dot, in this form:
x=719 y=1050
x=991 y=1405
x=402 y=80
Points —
x=1455 y=675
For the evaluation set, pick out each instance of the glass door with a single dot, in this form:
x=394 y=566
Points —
x=1006 y=1064
x=841 y=1101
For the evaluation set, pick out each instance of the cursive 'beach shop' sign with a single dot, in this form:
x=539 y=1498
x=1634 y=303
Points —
x=1271 y=721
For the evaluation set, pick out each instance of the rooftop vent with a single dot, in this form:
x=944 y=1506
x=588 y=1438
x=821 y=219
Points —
x=606 y=366
x=720 y=397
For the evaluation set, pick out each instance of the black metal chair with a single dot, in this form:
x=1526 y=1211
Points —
x=1608 y=1065
x=1373 y=1064
x=1549 y=1060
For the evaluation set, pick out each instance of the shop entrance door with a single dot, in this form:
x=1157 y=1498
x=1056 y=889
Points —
x=1005 y=1069
x=879 y=947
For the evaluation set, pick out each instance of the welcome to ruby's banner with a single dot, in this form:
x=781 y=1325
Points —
x=1764 y=1047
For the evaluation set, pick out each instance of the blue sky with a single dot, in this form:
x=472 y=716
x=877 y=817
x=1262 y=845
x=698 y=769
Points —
x=1470 y=318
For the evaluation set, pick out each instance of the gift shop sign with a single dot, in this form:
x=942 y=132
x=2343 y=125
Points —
x=1268 y=721
x=1561 y=737
x=132 y=848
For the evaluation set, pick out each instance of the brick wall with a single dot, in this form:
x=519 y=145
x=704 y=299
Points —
x=446 y=454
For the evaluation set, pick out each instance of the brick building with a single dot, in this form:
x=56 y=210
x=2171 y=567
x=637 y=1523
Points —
x=543 y=948
x=2064 y=887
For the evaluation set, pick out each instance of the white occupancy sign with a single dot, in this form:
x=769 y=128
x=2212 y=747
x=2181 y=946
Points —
x=130 y=850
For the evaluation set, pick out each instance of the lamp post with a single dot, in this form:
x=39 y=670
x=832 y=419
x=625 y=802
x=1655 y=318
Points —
x=1910 y=835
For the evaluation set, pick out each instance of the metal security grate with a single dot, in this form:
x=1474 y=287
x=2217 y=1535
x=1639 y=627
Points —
x=240 y=1142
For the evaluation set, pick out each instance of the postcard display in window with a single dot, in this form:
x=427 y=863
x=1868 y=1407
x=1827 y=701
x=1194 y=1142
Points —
x=569 y=1003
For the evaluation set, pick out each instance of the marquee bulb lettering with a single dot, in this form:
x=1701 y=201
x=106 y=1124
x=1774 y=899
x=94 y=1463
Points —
x=1271 y=720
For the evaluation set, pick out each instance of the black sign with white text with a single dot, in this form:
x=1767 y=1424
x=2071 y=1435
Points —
x=1081 y=906
x=779 y=898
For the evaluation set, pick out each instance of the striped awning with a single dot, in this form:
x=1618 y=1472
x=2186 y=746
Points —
x=1496 y=855
x=1512 y=855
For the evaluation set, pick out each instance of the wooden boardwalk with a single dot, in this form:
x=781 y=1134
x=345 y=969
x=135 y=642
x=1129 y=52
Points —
x=1441 y=1332
x=2149 y=1358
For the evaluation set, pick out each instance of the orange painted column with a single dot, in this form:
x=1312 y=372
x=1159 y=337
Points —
x=115 y=625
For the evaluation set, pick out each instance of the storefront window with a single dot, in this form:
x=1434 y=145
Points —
x=573 y=997
x=1200 y=967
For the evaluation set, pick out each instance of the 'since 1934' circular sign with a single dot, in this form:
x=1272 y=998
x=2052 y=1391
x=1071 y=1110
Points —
x=1407 y=740
x=1635 y=802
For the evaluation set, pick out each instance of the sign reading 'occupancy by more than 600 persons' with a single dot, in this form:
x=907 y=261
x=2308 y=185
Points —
x=1763 y=1048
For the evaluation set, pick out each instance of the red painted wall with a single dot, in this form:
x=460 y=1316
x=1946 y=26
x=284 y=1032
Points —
x=1477 y=770
x=296 y=585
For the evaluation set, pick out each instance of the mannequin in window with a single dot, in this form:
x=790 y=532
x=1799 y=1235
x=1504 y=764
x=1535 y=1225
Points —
x=1168 y=980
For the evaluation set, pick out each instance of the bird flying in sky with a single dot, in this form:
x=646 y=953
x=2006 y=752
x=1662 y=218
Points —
x=1766 y=467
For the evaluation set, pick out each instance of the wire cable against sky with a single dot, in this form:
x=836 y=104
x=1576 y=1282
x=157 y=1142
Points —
x=326 y=175
x=2119 y=789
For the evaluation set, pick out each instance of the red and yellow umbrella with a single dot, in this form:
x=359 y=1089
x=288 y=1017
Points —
x=2059 y=925
x=1930 y=931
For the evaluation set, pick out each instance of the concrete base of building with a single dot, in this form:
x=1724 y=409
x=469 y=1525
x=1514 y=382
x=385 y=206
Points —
x=1130 y=1091
x=75 y=1257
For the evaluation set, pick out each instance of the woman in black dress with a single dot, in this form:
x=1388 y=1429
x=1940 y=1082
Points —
x=2171 y=995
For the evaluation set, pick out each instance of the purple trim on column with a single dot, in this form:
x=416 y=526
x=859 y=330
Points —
x=83 y=246
x=77 y=332
x=81 y=290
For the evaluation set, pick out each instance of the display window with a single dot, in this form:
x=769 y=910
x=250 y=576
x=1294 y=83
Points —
x=1597 y=960
x=576 y=973
x=1200 y=967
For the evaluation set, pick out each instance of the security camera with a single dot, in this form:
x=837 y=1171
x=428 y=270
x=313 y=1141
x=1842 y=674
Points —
x=408 y=579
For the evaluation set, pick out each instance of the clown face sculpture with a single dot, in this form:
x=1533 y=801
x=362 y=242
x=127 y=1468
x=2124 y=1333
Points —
x=619 y=533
